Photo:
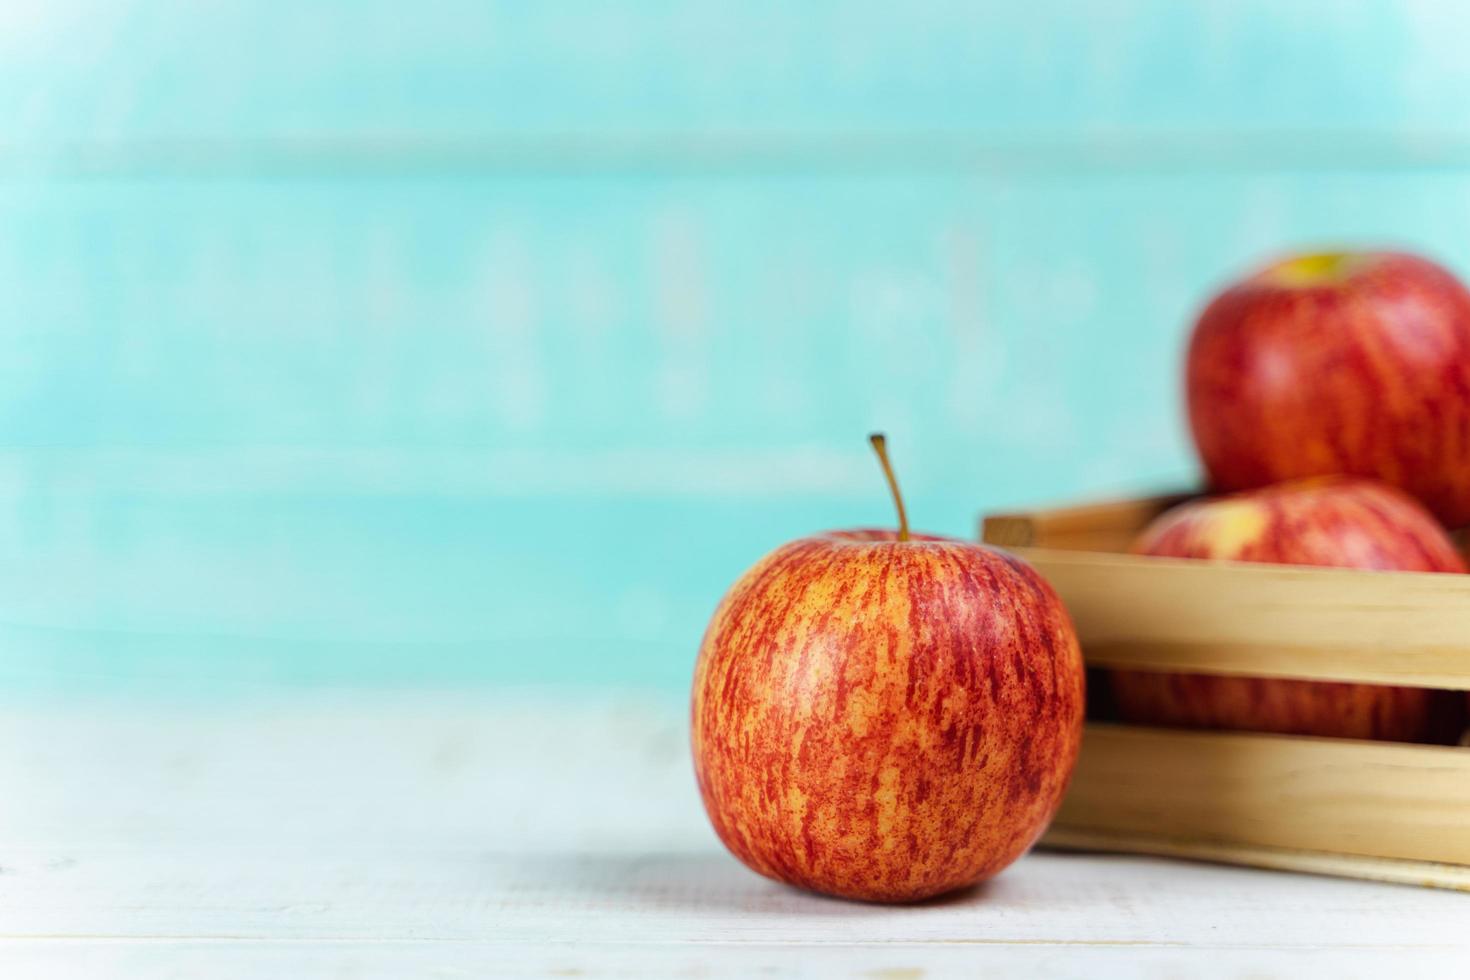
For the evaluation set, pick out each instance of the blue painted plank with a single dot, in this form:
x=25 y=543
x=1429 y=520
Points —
x=529 y=429
x=241 y=72
x=488 y=341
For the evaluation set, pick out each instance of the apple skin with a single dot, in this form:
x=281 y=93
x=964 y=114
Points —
x=1339 y=521
x=1355 y=363
x=886 y=720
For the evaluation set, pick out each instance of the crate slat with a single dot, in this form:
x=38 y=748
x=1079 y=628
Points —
x=1376 y=810
x=1372 y=799
x=1407 y=628
x=1106 y=526
x=1431 y=874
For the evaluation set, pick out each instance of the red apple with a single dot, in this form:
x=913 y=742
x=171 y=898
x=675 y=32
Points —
x=1354 y=363
x=885 y=716
x=1342 y=521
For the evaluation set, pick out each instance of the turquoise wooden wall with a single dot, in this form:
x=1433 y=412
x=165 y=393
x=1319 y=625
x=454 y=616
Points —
x=462 y=342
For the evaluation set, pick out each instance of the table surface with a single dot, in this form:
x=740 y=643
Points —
x=433 y=833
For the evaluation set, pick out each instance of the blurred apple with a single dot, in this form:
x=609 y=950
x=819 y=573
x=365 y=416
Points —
x=1355 y=363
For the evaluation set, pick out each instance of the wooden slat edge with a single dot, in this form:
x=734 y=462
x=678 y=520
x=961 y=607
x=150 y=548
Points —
x=1404 y=628
x=1008 y=530
x=1424 y=873
x=1106 y=525
x=1371 y=799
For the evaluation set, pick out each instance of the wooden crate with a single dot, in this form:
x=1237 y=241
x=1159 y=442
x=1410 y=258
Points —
x=1381 y=810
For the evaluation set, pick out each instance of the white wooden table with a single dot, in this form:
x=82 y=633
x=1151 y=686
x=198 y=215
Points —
x=441 y=834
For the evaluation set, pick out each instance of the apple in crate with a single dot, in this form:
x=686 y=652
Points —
x=1355 y=363
x=1341 y=521
x=883 y=715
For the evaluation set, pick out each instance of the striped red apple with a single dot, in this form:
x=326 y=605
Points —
x=1352 y=362
x=883 y=715
x=1341 y=521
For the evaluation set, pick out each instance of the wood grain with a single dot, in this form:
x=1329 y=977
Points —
x=530 y=835
x=1148 y=613
x=227 y=959
x=1431 y=874
x=1404 y=802
x=1371 y=810
x=1105 y=526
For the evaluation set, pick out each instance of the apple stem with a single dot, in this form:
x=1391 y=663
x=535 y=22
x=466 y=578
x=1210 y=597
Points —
x=880 y=446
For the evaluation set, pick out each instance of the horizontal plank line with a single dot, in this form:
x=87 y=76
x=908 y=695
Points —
x=16 y=630
x=630 y=473
x=263 y=939
x=740 y=152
